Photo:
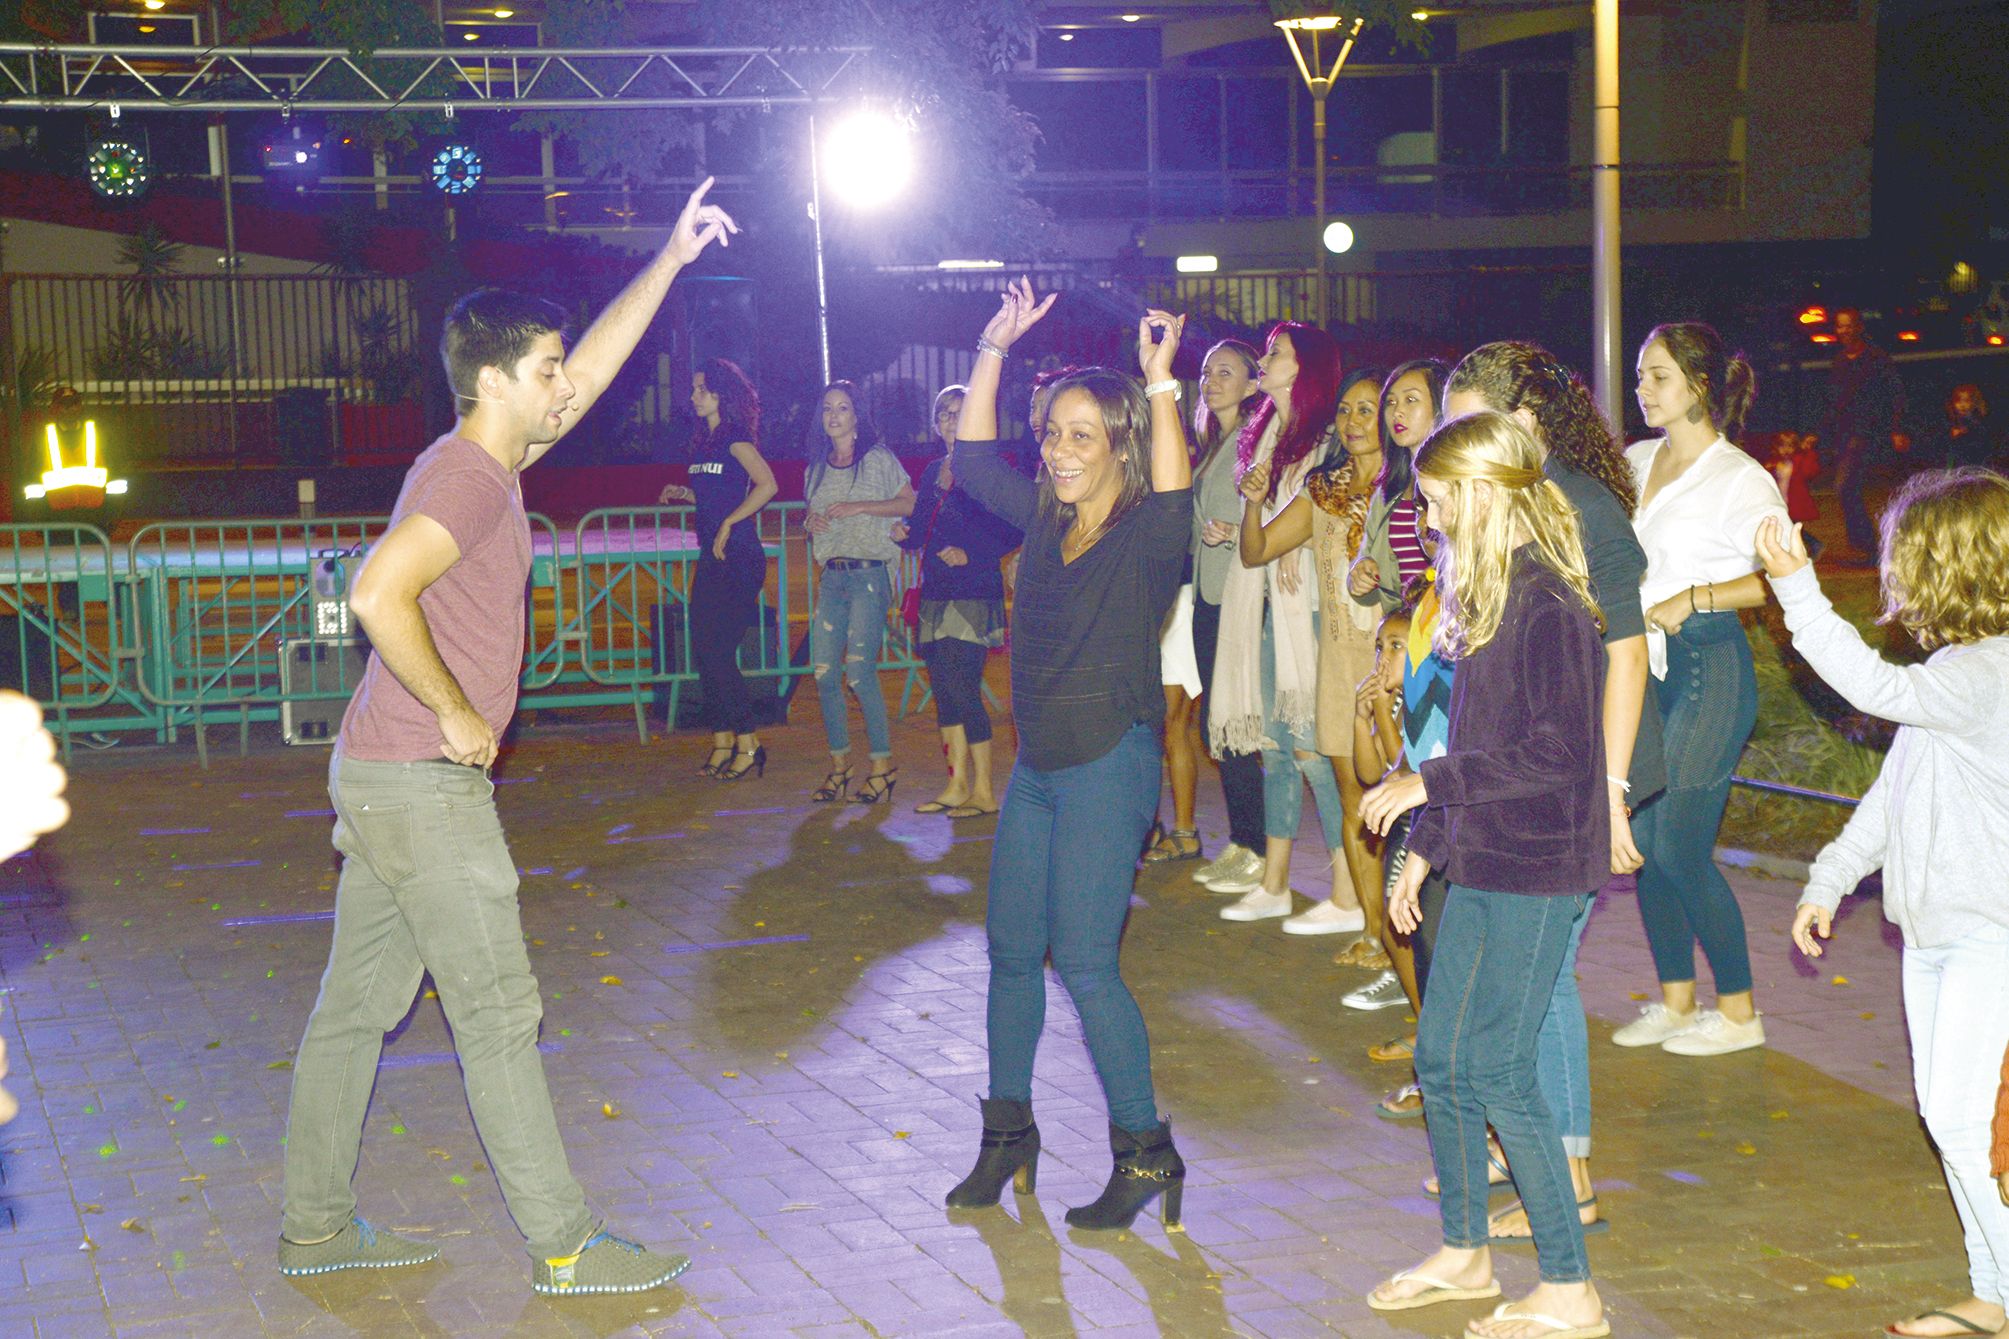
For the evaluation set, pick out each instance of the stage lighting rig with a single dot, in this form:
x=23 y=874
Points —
x=456 y=169
x=119 y=168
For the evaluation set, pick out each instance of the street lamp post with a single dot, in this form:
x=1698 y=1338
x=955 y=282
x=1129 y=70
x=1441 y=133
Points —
x=1608 y=357
x=1319 y=80
x=816 y=230
x=868 y=158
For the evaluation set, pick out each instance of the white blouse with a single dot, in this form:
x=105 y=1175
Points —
x=1702 y=527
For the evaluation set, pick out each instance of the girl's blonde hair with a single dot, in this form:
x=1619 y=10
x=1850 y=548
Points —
x=1940 y=564
x=1493 y=468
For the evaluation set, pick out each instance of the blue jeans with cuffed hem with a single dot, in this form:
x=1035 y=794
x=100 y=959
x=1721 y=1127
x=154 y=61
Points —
x=1061 y=873
x=1708 y=706
x=427 y=884
x=1497 y=956
x=1562 y=1049
x=844 y=637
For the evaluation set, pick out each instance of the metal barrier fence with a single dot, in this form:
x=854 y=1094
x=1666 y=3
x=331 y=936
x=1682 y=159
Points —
x=630 y=626
x=193 y=624
x=218 y=607
x=59 y=639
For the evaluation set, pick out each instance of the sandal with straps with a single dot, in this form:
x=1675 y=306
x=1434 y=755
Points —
x=835 y=783
x=718 y=761
x=878 y=786
x=1174 y=844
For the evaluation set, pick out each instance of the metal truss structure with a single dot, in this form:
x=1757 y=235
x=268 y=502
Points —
x=516 y=79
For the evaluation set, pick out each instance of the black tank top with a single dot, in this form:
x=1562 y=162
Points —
x=720 y=483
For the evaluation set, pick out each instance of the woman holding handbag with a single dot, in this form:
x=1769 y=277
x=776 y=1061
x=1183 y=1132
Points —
x=957 y=615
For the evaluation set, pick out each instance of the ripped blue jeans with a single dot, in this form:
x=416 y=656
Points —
x=844 y=638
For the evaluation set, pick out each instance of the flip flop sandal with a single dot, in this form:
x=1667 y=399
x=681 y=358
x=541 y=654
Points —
x=1395 y=1048
x=935 y=807
x=1386 y=1111
x=1966 y=1326
x=970 y=811
x=1557 y=1329
x=1590 y=1229
x=1436 y=1291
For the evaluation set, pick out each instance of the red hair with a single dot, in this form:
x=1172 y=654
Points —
x=1314 y=399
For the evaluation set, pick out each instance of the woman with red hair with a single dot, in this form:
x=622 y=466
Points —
x=1265 y=689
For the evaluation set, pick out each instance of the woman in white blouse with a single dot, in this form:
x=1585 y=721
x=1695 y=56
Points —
x=1700 y=501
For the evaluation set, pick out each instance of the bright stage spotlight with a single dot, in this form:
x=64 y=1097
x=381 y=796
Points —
x=868 y=159
x=118 y=169
x=456 y=169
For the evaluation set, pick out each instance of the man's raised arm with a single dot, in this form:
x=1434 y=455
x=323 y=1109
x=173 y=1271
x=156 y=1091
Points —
x=604 y=348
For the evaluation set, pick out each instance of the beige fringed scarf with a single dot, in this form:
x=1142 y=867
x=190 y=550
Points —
x=1236 y=710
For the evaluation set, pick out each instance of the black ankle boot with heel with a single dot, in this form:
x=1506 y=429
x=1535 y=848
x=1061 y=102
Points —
x=1147 y=1166
x=1010 y=1149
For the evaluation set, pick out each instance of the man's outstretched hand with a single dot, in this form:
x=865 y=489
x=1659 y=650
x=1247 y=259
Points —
x=700 y=225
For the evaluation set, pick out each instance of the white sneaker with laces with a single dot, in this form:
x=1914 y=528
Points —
x=1383 y=992
x=1230 y=858
x=1325 y=918
x=1258 y=906
x=1655 y=1024
x=1246 y=876
x=1713 y=1034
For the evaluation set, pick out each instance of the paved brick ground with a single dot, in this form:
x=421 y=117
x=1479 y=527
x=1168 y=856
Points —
x=764 y=1030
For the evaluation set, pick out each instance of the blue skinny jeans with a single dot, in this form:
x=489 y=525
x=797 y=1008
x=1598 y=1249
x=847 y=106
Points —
x=1708 y=705
x=1061 y=873
x=1497 y=957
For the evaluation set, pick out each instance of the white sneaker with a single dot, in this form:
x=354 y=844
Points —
x=1713 y=1034
x=1245 y=877
x=1655 y=1024
x=1258 y=906
x=1231 y=858
x=1325 y=918
x=1383 y=992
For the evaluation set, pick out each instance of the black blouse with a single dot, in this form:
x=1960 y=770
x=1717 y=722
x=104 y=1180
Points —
x=1084 y=661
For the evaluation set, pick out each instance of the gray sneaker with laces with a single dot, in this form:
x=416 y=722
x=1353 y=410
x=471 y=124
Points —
x=357 y=1246
x=606 y=1264
x=1383 y=992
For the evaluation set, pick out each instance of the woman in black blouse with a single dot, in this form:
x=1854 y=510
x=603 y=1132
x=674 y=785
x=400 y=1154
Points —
x=962 y=615
x=1106 y=529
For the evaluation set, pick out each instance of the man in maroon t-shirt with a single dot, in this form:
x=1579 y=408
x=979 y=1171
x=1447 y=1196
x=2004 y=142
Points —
x=428 y=883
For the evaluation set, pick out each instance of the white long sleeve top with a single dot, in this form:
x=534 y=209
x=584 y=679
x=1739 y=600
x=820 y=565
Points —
x=1937 y=819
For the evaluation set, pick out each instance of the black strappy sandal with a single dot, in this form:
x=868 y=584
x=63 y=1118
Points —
x=878 y=786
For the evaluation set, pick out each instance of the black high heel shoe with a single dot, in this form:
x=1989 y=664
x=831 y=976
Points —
x=877 y=787
x=1010 y=1152
x=744 y=762
x=716 y=763
x=835 y=783
x=1147 y=1166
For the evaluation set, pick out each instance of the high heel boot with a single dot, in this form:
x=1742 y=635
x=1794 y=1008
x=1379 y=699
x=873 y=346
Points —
x=1146 y=1166
x=1010 y=1148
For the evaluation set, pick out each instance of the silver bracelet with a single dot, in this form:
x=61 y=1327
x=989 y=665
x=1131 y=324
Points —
x=1620 y=782
x=1160 y=387
x=985 y=346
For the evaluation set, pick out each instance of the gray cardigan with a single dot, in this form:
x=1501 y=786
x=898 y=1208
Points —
x=1374 y=544
x=1937 y=819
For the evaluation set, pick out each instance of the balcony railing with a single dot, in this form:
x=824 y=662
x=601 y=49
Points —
x=1428 y=190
